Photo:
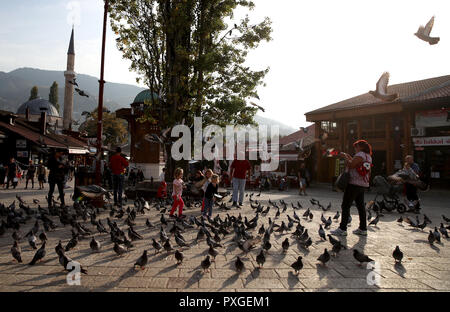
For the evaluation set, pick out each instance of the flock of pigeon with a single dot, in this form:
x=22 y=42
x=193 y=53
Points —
x=246 y=234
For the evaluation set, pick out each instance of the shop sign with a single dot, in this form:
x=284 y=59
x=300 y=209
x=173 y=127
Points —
x=21 y=143
x=22 y=154
x=433 y=118
x=432 y=141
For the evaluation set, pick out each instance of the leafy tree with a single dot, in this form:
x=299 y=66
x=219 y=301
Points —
x=192 y=54
x=33 y=93
x=114 y=129
x=53 y=95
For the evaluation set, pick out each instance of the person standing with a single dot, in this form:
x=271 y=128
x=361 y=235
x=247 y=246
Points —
x=41 y=173
x=411 y=189
x=30 y=174
x=239 y=169
x=177 y=191
x=359 y=168
x=118 y=165
x=132 y=177
x=302 y=179
x=11 y=173
x=204 y=184
x=2 y=175
x=56 y=176
x=162 y=176
x=211 y=190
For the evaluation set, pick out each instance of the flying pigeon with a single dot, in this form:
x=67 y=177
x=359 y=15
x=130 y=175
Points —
x=73 y=82
x=81 y=92
x=423 y=33
x=258 y=106
x=381 y=90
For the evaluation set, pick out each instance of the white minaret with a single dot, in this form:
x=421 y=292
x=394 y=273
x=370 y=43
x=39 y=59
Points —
x=68 y=91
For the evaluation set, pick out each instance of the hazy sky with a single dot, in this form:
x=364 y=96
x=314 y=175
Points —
x=323 y=51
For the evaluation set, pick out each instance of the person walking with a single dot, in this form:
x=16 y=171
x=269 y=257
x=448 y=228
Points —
x=239 y=169
x=41 y=174
x=118 y=165
x=177 y=191
x=56 y=176
x=11 y=173
x=359 y=168
x=211 y=190
x=30 y=174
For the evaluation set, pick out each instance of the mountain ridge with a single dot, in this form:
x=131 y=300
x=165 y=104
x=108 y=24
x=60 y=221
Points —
x=15 y=89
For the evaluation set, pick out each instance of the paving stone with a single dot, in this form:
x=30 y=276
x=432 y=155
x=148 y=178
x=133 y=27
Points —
x=263 y=283
x=424 y=267
x=183 y=282
x=217 y=283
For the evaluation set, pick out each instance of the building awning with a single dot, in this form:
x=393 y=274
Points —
x=32 y=136
x=288 y=157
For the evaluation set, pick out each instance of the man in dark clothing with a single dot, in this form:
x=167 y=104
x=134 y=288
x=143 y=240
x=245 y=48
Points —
x=30 y=174
x=11 y=173
x=56 y=176
x=118 y=165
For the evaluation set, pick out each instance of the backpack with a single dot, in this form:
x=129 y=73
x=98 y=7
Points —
x=364 y=169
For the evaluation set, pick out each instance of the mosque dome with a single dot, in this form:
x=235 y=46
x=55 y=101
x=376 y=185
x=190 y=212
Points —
x=144 y=95
x=37 y=106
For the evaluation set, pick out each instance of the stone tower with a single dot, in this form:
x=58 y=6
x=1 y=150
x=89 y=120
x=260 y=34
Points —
x=68 y=91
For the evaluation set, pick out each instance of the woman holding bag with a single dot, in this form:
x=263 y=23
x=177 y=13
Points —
x=359 y=167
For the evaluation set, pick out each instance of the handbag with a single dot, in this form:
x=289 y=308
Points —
x=342 y=180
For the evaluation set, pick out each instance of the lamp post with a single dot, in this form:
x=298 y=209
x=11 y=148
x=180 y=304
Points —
x=98 y=177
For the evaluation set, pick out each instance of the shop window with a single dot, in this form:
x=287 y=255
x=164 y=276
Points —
x=329 y=127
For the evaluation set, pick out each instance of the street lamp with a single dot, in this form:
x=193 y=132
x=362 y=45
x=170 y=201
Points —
x=98 y=177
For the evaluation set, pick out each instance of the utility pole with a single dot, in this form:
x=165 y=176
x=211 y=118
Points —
x=98 y=177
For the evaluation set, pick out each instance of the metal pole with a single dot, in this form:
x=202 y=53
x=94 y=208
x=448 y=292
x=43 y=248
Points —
x=98 y=177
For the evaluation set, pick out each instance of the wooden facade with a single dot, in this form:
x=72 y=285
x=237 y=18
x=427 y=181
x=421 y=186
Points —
x=386 y=127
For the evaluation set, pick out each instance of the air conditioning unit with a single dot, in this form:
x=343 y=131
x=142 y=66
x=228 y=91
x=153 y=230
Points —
x=416 y=132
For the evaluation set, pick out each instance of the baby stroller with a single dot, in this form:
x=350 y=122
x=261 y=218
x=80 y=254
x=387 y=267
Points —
x=389 y=193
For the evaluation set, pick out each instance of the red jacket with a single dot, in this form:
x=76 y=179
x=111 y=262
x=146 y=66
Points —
x=117 y=163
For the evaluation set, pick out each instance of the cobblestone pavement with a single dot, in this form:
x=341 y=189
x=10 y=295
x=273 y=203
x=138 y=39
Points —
x=424 y=267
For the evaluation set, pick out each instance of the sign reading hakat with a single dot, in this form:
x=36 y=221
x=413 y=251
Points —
x=432 y=141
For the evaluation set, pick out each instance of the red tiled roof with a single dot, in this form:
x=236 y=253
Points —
x=31 y=135
x=421 y=90
x=297 y=136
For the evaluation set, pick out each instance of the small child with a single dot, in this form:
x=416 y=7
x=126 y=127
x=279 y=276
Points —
x=211 y=190
x=206 y=181
x=178 y=185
